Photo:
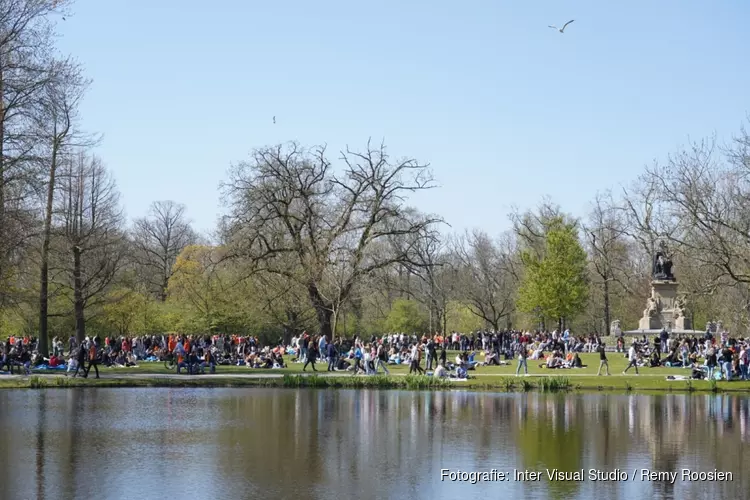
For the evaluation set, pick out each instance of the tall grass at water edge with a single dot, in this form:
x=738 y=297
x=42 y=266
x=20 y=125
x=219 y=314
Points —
x=372 y=382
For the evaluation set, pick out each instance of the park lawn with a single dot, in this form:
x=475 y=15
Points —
x=617 y=363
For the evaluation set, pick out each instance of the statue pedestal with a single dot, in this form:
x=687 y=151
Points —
x=663 y=309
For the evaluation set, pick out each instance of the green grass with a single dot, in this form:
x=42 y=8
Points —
x=617 y=364
x=494 y=378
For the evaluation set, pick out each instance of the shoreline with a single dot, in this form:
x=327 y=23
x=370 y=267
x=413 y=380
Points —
x=490 y=383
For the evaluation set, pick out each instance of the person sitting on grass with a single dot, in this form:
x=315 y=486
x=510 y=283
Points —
x=577 y=363
x=492 y=358
x=655 y=360
x=72 y=364
x=671 y=359
x=24 y=360
x=278 y=360
x=130 y=360
x=182 y=363
x=54 y=361
x=440 y=371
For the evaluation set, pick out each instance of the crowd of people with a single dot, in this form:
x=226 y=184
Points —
x=709 y=356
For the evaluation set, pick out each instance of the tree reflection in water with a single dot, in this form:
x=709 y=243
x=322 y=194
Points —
x=123 y=443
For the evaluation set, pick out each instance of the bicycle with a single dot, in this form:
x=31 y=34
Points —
x=170 y=361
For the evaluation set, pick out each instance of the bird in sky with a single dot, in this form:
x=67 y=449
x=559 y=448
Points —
x=562 y=30
x=274 y=120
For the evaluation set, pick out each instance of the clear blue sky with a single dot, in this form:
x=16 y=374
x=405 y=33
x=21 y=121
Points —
x=505 y=109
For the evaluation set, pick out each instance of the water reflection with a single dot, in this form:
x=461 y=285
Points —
x=126 y=443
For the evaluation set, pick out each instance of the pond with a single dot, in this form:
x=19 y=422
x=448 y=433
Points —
x=284 y=443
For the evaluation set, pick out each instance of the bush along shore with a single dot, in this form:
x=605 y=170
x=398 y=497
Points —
x=499 y=383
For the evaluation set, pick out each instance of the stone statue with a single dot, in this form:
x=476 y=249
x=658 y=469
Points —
x=656 y=269
x=679 y=307
x=615 y=329
x=662 y=267
x=652 y=308
x=680 y=302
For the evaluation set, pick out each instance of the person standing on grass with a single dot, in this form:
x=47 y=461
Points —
x=711 y=362
x=443 y=356
x=523 y=355
x=744 y=362
x=726 y=362
x=633 y=357
x=603 y=361
x=332 y=357
x=428 y=355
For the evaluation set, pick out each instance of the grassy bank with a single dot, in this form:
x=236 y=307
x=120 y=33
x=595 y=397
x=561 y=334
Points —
x=495 y=383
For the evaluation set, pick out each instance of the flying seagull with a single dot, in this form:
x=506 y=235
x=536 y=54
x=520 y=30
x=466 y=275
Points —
x=274 y=120
x=562 y=30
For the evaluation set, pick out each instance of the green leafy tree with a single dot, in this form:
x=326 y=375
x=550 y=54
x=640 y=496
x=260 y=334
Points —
x=406 y=316
x=461 y=318
x=556 y=283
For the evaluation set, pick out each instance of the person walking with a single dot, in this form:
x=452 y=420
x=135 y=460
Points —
x=312 y=355
x=357 y=360
x=603 y=361
x=633 y=357
x=81 y=359
x=382 y=361
x=414 y=366
x=93 y=360
x=523 y=355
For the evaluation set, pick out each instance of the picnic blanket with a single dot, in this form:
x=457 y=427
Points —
x=51 y=368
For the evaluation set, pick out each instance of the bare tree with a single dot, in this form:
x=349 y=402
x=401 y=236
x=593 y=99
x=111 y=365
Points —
x=489 y=284
x=288 y=202
x=25 y=69
x=707 y=203
x=89 y=222
x=57 y=130
x=159 y=238
x=432 y=265
x=605 y=234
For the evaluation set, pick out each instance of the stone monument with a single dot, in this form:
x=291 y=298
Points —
x=615 y=329
x=664 y=308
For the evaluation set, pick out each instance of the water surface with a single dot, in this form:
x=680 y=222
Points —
x=281 y=443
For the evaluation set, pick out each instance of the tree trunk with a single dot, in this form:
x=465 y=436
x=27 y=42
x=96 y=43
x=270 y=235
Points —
x=78 y=295
x=607 y=312
x=323 y=309
x=44 y=278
